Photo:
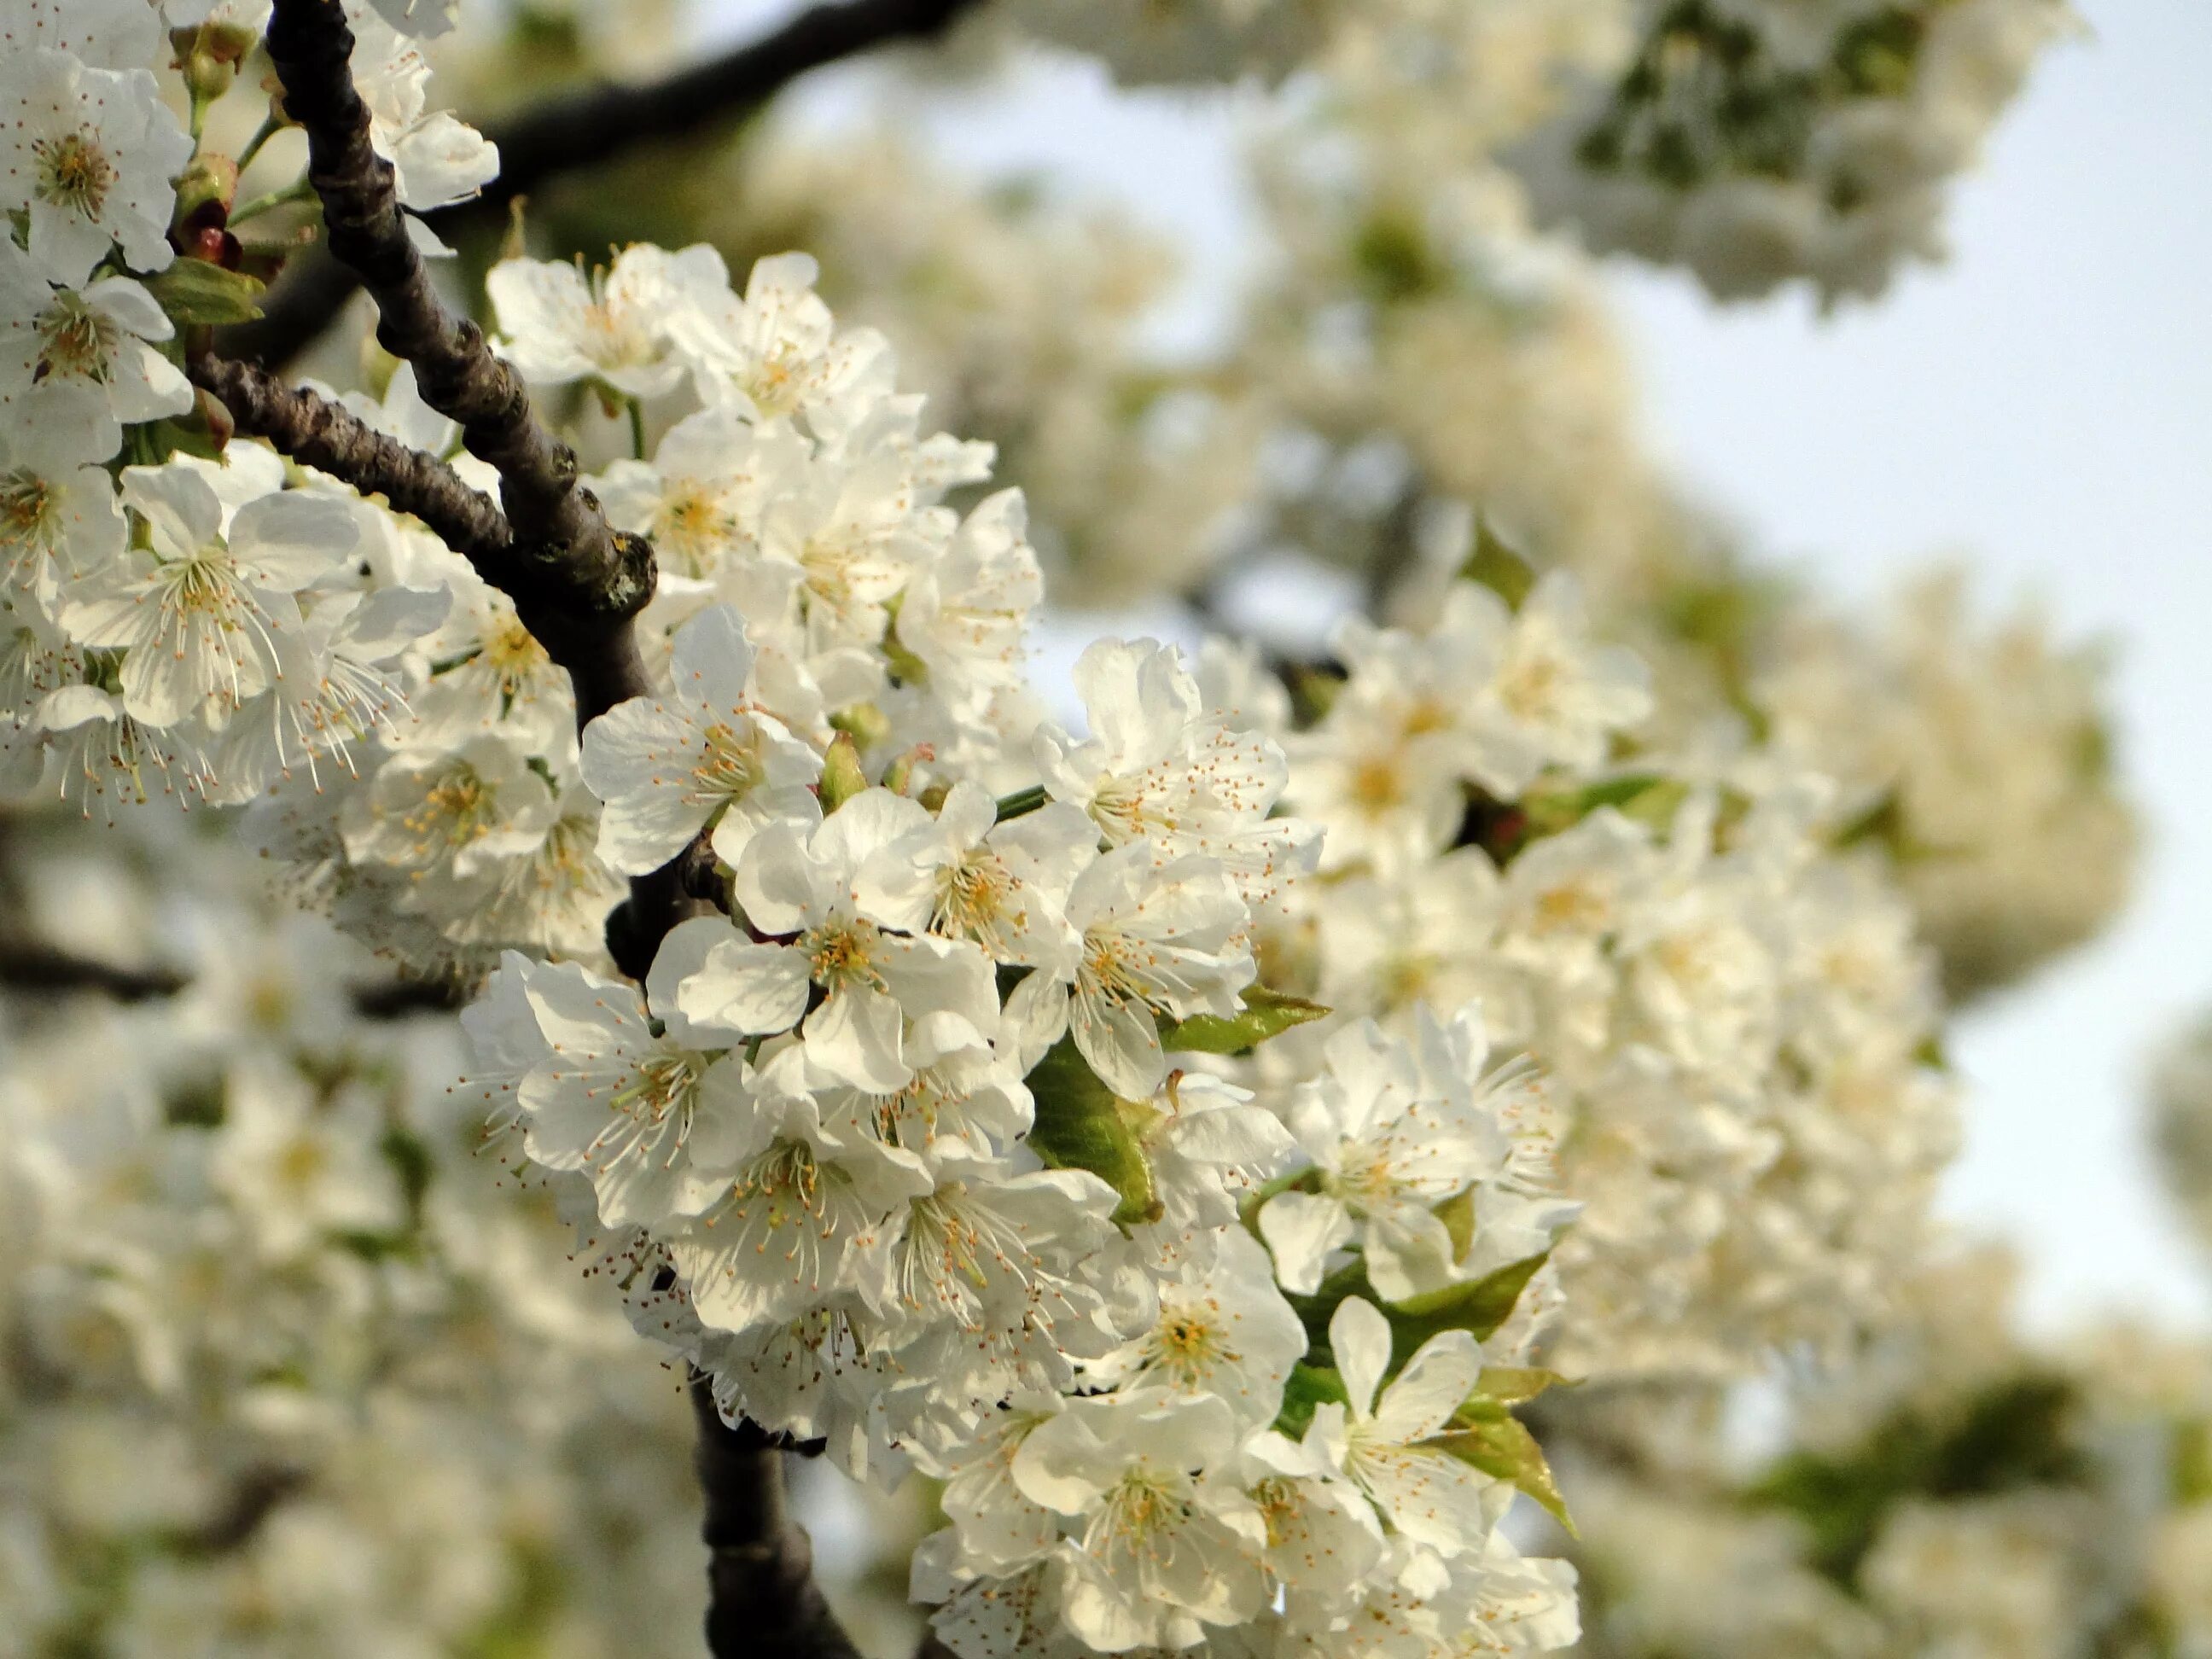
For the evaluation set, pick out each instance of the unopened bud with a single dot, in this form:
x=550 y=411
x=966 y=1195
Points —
x=842 y=776
x=209 y=181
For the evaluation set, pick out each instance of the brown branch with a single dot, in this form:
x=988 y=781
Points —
x=576 y=584
x=578 y=130
x=327 y=435
x=578 y=581
x=396 y=999
x=261 y=1491
x=763 y=1602
x=41 y=969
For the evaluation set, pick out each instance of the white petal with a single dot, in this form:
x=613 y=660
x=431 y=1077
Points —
x=1360 y=1337
x=1302 y=1229
x=1436 y=1381
x=747 y=989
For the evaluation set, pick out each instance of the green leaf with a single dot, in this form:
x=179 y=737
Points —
x=194 y=291
x=1500 y=1445
x=1480 y=1306
x=1022 y=802
x=1081 y=1124
x=1646 y=797
x=1515 y=1385
x=2018 y=1433
x=1307 y=1386
x=1497 y=567
x=2192 y=1461
x=1266 y=1014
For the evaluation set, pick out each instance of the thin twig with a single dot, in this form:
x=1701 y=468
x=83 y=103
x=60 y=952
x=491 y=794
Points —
x=315 y=431
x=42 y=968
x=577 y=130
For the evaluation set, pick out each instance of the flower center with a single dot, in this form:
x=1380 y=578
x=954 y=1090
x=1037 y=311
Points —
x=514 y=655
x=1571 y=905
x=1530 y=687
x=1111 y=968
x=731 y=765
x=664 y=1084
x=972 y=896
x=458 y=809
x=77 y=341
x=1377 y=783
x=1188 y=1345
x=74 y=173
x=28 y=511
x=839 y=955
x=692 y=529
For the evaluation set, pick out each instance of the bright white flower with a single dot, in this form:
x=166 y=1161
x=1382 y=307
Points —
x=782 y=1235
x=552 y=899
x=436 y=158
x=1159 y=770
x=1001 y=886
x=652 y=1121
x=99 y=338
x=1164 y=1546
x=996 y=1528
x=1394 y=1129
x=559 y=326
x=489 y=675
x=1154 y=939
x=1207 y=1144
x=89 y=152
x=708 y=753
x=979 y=1290
x=701 y=497
x=1556 y=696
x=1388 y=1448
x=777 y=353
x=1223 y=1331
x=337 y=683
x=841 y=533
x=58 y=514
x=965 y=614
x=460 y=810
x=800 y=891
x=199 y=611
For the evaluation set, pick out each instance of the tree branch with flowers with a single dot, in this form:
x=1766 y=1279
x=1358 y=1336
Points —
x=1207 y=1159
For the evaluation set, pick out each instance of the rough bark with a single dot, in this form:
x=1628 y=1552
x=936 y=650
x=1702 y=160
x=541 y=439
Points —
x=576 y=584
x=313 y=430
x=578 y=580
x=577 y=130
x=763 y=1602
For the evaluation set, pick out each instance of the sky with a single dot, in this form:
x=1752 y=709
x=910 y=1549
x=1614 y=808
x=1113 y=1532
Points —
x=2041 y=406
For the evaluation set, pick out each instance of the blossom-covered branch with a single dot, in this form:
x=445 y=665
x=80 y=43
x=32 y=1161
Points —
x=590 y=127
x=311 y=429
x=585 y=580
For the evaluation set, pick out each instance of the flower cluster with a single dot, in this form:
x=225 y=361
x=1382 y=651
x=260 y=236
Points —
x=894 y=1147
x=1954 y=1490
x=1759 y=141
x=1978 y=757
x=1736 y=1020
x=173 y=625
x=283 y=1368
